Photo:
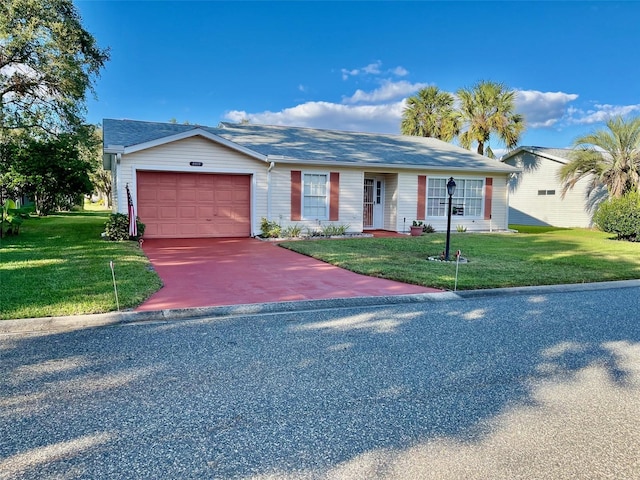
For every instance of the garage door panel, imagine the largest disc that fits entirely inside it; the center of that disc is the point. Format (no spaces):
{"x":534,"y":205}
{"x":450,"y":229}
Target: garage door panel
{"x":206,"y":212}
{"x":168,"y":213}
{"x":194,"y":205}
{"x":166,"y":195}
{"x":207,"y":196}
{"x":188,"y":195}
{"x":148,"y":212}
{"x":187,"y":213}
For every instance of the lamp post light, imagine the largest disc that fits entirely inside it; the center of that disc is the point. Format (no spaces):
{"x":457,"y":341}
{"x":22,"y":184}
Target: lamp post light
{"x":451,"y":189}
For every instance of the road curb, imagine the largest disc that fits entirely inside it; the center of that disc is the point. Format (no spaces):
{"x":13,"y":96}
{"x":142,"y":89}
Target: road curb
{"x":546,"y":289}
{"x":76,"y":322}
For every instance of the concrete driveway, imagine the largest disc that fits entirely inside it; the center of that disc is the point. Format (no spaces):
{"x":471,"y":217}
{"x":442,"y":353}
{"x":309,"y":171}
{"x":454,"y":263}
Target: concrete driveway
{"x":228,"y":271}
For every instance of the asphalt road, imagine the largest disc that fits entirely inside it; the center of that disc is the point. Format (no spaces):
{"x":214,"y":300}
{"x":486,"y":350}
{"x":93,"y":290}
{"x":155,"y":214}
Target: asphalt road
{"x":539,"y":386}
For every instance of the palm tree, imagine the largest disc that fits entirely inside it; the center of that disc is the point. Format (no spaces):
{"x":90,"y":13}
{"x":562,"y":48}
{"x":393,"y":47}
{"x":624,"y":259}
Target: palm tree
{"x":488,"y":108}
{"x":430,"y":113}
{"x":611,"y":155}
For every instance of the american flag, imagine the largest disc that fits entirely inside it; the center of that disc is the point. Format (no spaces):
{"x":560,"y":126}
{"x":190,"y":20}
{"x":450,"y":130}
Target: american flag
{"x":133,"y":226}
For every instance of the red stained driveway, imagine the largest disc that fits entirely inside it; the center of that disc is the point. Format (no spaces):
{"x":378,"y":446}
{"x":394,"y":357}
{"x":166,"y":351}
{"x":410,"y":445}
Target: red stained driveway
{"x":228,"y":271}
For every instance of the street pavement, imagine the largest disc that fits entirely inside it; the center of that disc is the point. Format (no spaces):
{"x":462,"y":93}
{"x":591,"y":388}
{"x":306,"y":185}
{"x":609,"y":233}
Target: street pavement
{"x":542,"y":384}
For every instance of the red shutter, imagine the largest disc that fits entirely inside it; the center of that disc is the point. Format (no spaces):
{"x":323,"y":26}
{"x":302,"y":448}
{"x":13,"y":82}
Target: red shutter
{"x":296,"y":195}
{"x":488,"y":197}
{"x":422,"y":197}
{"x":334,"y":195}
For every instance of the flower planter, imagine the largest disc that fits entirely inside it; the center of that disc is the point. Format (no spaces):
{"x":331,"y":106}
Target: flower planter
{"x":416,"y":231}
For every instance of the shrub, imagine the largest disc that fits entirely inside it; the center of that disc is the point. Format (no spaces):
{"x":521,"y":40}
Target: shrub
{"x":117,"y":227}
{"x":270,"y":229}
{"x":292,"y":231}
{"x":620,"y":216}
{"x":461,"y":229}
{"x":334,"y":230}
{"x":11,"y":217}
{"x":428,"y":228}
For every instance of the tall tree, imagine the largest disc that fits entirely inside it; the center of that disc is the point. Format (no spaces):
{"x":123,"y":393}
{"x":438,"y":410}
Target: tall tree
{"x":489,"y":108}
{"x":611,"y":155}
{"x":91,"y":151}
{"x":48,"y":62}
{"x":52,"y":172}
{"x":430,"y":113}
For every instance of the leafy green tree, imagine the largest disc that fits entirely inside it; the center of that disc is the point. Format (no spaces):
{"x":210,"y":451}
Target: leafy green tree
{"x":431,"y":113}
{"x":47,"y":64}
{"x":489,"y":108}
{"x":50,"y":171}
{"x":91,"y":152}
{"x":611,"y":156}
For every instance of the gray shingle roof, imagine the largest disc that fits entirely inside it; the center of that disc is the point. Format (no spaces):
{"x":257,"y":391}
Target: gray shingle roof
{"x":562,"y":155}
{"x":306,"y":145}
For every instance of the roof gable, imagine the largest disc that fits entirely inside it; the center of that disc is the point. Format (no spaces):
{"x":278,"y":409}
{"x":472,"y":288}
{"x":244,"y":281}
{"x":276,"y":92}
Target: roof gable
{"x":560,"y":155}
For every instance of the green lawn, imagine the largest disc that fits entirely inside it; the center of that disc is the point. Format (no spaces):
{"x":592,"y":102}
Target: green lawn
{"x":542,"y":257}
{"x":59,"y":265}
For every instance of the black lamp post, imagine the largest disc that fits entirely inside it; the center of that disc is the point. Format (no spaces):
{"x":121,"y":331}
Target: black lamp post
{"x":451,"y":189}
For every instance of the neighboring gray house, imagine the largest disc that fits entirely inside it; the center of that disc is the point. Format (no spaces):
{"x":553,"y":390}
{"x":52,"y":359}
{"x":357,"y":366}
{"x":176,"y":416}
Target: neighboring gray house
{"x":535,"y":193}
{"x":196,"y":181}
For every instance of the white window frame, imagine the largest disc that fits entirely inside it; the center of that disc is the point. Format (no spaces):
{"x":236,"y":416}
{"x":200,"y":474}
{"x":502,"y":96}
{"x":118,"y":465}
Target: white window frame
{"x":303,"y":196}
{"x":457,"y":199}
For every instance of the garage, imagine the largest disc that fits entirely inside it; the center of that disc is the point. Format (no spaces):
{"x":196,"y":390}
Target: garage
{"x":192,"y":205}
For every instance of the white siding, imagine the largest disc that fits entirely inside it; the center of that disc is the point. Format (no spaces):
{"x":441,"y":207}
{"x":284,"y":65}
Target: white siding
{"x":527,"y":207}
{"x":401,"y":188}
{"x":391,"y":202}
{"x":176,"y":157}
{"x":351,"y":190}
{"x":408,"y":203}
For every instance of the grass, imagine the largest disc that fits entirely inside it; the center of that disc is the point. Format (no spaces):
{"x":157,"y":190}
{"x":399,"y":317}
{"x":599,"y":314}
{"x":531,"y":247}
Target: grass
{"x":540,"y":257}
{"x":59,"y":265}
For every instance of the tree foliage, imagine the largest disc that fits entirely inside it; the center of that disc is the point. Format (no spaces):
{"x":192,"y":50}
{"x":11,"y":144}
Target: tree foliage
{"x":611,"y":157}
{"x":50,"y":171}
{"x":47,"y":65}
{"x":91,"y":152}
{"x":489,"y":108}
{"x":431,"y":113}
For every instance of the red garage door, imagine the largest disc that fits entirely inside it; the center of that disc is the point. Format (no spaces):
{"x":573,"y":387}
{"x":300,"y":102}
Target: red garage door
{"x":189,"y":205}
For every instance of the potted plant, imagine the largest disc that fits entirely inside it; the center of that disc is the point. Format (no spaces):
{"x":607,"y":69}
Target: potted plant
{"x":416,"y":228}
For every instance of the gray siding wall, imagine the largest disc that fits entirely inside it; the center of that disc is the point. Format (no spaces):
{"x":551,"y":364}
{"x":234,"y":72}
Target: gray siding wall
{"x":528,"y":207}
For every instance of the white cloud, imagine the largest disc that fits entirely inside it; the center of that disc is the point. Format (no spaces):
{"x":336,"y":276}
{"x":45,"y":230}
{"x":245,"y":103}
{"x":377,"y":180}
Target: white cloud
{"x":371,"y":69}
{"x":383,"y":118}
{"x":400,"y":71}
{"x":543,"y":109}
{"x":380,"y":110}
{"x":548,"y":109}
{"x":600,"y":113}
{"x":374,"y":68}
{"x":388,"y":91}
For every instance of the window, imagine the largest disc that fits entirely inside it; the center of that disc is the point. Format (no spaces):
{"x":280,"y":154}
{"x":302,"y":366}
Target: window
{"x":314,"y":198}
{"x":466,"y":202}
{"x":546,"y":192}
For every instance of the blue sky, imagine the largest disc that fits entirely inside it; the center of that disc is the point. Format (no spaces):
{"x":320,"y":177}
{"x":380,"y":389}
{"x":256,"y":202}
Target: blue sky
{"x":350,"y":65}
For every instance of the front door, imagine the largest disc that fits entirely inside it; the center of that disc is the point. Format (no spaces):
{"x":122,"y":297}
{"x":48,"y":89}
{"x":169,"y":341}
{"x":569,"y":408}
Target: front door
{"x":373,"y":205}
